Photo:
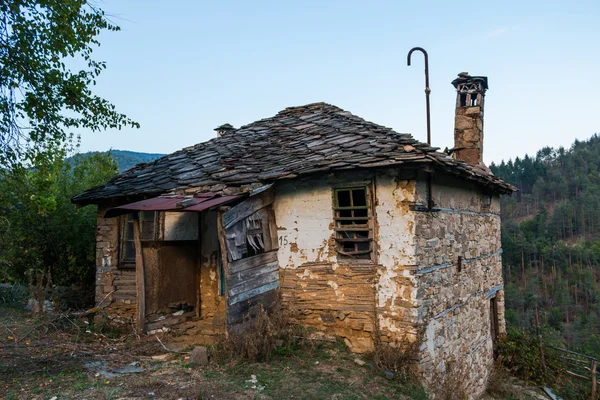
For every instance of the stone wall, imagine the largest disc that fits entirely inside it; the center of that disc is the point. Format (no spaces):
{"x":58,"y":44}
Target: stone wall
{"x":115,"y":288}
{"x":454,"y":301}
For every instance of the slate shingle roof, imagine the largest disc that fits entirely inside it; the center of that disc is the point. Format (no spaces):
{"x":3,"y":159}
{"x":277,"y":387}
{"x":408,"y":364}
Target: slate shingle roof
{"x":297,"y":141}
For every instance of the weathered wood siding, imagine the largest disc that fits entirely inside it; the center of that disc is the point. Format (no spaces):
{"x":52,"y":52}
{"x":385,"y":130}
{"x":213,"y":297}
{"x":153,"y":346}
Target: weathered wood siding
{"x":252,"y":280}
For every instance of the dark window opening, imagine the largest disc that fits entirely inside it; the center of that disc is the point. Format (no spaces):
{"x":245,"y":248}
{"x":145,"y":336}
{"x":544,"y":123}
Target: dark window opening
{"x":463,"y":99}
{"x":495,"y":326}
{"x":147,"y":221}
{"x":352,"y":223}
{"x":254,"y":236}
{"x":473,"y":99}
{"x":459,"y":264}
{"x":486,"y":201}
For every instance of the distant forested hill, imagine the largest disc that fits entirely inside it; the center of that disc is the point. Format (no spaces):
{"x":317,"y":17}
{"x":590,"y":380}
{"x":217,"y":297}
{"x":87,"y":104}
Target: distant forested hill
{"x":126,"y":159}
{"x":551,"y":241}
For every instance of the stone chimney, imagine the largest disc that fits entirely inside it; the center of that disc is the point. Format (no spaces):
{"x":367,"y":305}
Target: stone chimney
{"x":223,"y":129}
{"x":468,"y":122}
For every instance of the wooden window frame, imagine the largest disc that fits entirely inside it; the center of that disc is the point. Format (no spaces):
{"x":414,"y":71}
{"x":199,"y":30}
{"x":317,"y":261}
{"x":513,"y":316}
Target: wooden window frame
{"x":355,"y":256}
{"x":123,"y":233}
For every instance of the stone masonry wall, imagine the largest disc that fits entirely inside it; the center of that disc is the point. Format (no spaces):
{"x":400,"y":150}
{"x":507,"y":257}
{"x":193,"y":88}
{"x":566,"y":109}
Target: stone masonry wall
{"x":115,"y":288}
{"x":455,"y":304}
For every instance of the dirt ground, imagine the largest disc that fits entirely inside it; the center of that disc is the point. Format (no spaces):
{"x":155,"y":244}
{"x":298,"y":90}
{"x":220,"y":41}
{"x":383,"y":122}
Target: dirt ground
{"x":56,"y":357}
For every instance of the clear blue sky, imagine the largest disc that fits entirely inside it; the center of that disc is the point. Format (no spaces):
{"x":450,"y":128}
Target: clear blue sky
{"x":182,"y":68}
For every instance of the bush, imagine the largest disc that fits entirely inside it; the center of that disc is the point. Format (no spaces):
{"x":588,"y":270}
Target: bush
{"x":519,"y":352}
{"x":399,"y":357}
{"x":13,"y":295}
{"x":260,"y":336}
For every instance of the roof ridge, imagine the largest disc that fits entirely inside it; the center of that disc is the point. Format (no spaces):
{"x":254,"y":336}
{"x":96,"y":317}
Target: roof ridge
{"x":300,"y":140}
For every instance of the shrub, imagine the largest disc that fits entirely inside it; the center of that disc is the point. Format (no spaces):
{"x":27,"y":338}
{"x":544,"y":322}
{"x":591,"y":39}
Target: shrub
{"x":259,"y":336}
{"x":451,"y":384}
{"x":13,"y":294}
{"x":399,"y":357}
{"x":519,"y":352}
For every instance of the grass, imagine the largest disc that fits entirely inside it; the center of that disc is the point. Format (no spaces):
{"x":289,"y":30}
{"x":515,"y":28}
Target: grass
{"x":52,"y":364}
{"x":41,"y":358}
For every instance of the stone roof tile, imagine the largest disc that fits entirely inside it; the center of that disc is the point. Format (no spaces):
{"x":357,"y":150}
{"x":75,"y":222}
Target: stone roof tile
{"x":316,"y":137}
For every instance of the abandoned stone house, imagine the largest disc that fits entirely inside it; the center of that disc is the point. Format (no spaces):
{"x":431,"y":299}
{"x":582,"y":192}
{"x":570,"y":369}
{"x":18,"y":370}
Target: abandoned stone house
{"x":365,"y":232}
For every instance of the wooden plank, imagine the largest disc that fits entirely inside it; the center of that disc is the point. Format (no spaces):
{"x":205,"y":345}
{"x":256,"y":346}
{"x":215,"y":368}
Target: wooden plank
{"x":240,"y":277}
{"x":273,"y":229}
{"x":253,"y":293}
{"x":253,"y":283}
{"x":224,"y":258}
{"x":266,"y":232}
{"x":251,"y":262}
{"x":248,"y":207}
{"x":140,"y":284}
{"x":248,"y":309}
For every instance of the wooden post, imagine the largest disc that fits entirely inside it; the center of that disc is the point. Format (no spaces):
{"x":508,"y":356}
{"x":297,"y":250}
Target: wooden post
{"x":224,"y":257}
{"x":140,"y":284}
{"x":594,"y":367}
{"x":199,"y":268}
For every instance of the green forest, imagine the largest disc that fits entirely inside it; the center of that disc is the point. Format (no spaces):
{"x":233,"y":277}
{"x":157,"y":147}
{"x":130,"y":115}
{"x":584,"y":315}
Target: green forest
{"x":551,"y":242}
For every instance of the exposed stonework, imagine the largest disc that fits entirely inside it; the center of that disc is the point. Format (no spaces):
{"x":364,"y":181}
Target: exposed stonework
{"x":455,"y":305}
{"x":115,"y":288}
{"x":468,"y":122}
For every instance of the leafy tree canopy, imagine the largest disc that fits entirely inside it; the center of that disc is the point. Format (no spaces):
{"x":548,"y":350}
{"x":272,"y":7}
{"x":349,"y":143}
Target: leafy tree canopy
{"x":42,"y":99}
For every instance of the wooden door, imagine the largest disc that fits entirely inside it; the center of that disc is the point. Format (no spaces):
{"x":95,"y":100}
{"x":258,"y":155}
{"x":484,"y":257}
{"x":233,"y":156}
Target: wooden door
{"x":248,"y":237}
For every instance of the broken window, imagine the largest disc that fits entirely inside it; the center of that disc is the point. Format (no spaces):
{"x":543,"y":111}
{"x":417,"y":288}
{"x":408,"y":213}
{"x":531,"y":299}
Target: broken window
{"x":148,"y":223}
{"x":353,"y":232}
{"x":246,"y":237}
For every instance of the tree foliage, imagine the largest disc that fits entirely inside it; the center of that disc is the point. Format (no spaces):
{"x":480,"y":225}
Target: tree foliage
{"x":551,"y":241}
{"x":40,"y":229}
{"x":42,"y":97}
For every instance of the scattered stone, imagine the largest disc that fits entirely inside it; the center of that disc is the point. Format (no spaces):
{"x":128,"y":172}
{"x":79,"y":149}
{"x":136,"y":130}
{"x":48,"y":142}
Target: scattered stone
{"x":389,"y":374}
{"x":160,"y":357}
{"x":199,"y":356}
{"x":359,"y":362}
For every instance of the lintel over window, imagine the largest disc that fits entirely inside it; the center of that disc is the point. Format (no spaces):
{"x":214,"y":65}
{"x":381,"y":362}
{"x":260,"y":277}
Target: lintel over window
{"x":353,"y":222}
{"x":148,"y":231}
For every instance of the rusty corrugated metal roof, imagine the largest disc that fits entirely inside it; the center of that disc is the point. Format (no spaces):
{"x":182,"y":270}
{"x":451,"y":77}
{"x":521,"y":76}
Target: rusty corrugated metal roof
{"x":197,"y":203}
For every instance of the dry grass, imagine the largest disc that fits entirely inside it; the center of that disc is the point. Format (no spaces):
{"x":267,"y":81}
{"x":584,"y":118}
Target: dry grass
{"x":399,"y":357}
{"x":263,"y":335}
{"x":451,"y":384}
{"x":44,"y":358}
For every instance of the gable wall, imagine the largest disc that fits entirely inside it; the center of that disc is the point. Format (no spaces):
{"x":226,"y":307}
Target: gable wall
{"x":455,"y":306}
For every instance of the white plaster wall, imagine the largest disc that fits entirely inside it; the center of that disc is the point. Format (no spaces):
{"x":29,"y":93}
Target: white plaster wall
{"x":304,"y":215}
{"x":396,"y":292}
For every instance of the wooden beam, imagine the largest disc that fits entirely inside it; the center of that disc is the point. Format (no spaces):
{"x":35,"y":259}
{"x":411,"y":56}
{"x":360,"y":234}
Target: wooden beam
{"x":140,"y":284}
{"x":252,"y":262}
{"x":224,"y":259}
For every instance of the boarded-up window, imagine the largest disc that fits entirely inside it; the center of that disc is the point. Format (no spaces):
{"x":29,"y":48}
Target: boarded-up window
{"x":353,"y":232}
{"x":148,"y":225}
